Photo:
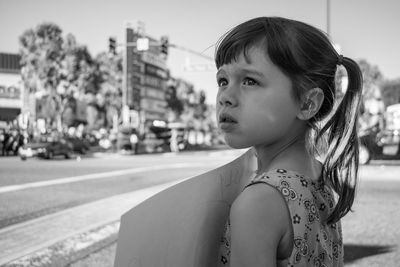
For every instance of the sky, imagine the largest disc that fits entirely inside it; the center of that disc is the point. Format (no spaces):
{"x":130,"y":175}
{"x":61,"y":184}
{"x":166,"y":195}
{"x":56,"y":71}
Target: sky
{"x":362,"y":29}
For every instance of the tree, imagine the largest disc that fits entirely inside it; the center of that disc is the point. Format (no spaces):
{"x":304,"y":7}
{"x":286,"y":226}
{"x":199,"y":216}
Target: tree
{"x":41,"y":53}
{"x":79,"y":69}
{"x":201,"y":108}
{"x":66,"y":71}
{"x":69,"y":110}
{"x":173,"y":102}
{"x":84,"y":79}
{"x":109,"y":73}
{"x":391,"y":92}
{"x":372,"y":78}
{"x":372,"y":106}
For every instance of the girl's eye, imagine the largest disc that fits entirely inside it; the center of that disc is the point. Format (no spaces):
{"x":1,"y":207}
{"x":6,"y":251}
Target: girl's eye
{"x":249,"y":81}
{"x":222,"y":82}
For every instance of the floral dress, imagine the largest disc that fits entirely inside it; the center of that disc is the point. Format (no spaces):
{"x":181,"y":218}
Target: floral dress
{"x":309,"y":203}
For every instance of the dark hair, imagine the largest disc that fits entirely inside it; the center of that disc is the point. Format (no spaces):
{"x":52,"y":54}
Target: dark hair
{"x":309,"y":59}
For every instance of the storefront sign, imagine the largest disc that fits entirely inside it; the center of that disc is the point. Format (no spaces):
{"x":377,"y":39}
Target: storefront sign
{"x":154,"y":82}
{"x":154,"y":60}
{"x":10,"y":92}
{"x":155,"y":71}
{"x":153,"y":105}
{"x":148,"y":92}
{"x":151,"y":115}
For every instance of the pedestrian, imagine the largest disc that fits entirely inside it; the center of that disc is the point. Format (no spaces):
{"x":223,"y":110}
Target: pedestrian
{"x":276,"y":80}
{"x":133,"y":139}
{"x":174,"y":146}
{"x":3,"y":141}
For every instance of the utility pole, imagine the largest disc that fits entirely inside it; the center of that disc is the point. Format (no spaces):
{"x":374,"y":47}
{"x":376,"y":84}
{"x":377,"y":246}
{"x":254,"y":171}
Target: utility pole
{"x":124,"y":76}
{"x":328,"y":17}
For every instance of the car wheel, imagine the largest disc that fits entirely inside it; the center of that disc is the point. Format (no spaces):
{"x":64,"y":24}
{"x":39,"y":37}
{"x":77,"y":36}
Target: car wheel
{"x":67,"y":155}
{"x":23,"y":157}
{"x":50,"y":154}
{"x":364,"y":155}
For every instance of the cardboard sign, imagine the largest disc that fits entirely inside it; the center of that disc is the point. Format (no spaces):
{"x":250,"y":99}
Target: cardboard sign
{"x":182,"y":226}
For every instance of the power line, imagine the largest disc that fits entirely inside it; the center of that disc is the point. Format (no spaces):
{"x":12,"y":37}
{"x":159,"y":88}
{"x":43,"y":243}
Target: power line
{"x":191,"y":51}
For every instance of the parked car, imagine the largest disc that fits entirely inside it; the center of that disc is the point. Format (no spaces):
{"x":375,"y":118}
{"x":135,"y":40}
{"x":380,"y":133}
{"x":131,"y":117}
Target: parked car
{"x":382,"y":140}
{"x":379,"y":144}
{"x":78,"y":145}
{"x":47,"y":148}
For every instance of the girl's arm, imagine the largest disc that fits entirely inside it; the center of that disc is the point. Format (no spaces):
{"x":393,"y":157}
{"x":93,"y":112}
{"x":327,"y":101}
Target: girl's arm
{"x":259,"y":220}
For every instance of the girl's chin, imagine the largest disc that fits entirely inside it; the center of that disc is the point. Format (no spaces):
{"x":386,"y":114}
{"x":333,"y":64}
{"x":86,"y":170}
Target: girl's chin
{"x":236,"y":144}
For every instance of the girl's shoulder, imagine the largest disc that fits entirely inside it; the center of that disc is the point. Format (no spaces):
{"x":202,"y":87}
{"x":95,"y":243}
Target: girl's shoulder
{"x":256,"y":225}
{"x":277,"y":176}
{"x":309,"y":203}
{"x":299,"y":190}
{"x":290,"y":183}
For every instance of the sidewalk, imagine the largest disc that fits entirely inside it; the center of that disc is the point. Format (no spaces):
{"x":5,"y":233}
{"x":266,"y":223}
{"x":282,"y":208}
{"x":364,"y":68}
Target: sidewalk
{"x":55,"y":239}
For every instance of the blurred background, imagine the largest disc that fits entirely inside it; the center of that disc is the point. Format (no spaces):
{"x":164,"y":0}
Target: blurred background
{"x":103,"y":72}
{"x":114,"y":85}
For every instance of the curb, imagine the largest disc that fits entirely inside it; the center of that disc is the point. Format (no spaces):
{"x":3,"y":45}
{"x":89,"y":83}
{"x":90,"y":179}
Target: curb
{"x":75,"y":246}
{"x":70,"y":250}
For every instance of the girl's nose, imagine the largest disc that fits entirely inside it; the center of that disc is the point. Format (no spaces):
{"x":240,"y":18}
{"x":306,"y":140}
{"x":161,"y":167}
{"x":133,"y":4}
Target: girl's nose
{"x":225,"y":102}
{"x":227,"y":98}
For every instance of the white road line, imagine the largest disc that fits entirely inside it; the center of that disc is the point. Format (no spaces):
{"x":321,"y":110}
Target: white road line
{"x":379,"y":173}
{"x":95,"y":176}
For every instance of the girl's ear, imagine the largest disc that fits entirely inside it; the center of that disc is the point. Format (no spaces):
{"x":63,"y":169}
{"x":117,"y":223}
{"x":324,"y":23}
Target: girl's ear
{"x":311,"y":103}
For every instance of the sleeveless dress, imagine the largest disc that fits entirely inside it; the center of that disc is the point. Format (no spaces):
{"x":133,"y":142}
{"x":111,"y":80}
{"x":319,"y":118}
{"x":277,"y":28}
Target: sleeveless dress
{"x":310,"y":203}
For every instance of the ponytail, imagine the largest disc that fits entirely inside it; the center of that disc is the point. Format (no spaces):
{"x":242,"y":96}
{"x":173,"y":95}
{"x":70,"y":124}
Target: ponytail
{"x":340,"y":168}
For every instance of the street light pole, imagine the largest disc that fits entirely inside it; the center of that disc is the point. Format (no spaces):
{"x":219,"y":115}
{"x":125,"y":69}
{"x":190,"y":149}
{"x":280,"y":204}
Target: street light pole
{"x":124,"y":69}
{"x":328,"y":17}
{"x":126,"y":45}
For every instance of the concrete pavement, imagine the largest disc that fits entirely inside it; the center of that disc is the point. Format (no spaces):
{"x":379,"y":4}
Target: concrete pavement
{"x":54,"y":239}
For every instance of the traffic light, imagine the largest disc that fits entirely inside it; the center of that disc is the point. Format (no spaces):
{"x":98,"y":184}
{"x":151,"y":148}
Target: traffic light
{"x":164,"y":45}
{"x":112,"y":45}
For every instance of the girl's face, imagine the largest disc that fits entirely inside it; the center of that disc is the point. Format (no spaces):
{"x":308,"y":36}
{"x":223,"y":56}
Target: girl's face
{"x":255,"y":106}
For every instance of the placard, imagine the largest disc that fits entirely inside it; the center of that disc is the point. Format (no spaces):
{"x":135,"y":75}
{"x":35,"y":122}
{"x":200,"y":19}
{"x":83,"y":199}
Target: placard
{"x":182,"y":226}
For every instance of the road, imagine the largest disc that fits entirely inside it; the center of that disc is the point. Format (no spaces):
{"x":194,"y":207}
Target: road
{"x":33,"y":188}
{"x":371,"y":232}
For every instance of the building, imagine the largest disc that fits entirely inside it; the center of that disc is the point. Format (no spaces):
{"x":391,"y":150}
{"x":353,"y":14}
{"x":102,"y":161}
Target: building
{"x":147,"y":76}
{"x":146,"y":82}
{"x":11,"y":100}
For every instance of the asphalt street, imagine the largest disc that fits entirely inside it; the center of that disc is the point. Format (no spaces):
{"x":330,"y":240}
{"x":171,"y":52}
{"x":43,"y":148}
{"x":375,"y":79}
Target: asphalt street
{"x":33,"y":188}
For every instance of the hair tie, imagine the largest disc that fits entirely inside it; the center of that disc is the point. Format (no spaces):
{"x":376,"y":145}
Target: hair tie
{"x":340,"y":60}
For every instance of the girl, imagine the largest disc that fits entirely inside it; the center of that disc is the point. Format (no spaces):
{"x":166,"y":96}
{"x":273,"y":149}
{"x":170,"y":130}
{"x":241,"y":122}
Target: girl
{"x":276,"y":81}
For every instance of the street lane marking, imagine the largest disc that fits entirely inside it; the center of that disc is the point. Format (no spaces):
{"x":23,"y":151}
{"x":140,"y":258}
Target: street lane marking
{"x":94,"y":176}
{"x":379,"y":173}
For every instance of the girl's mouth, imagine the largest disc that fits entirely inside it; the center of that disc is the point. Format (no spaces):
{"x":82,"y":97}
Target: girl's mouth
{"x":226,"y":118}
{"x":226,"y":122}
